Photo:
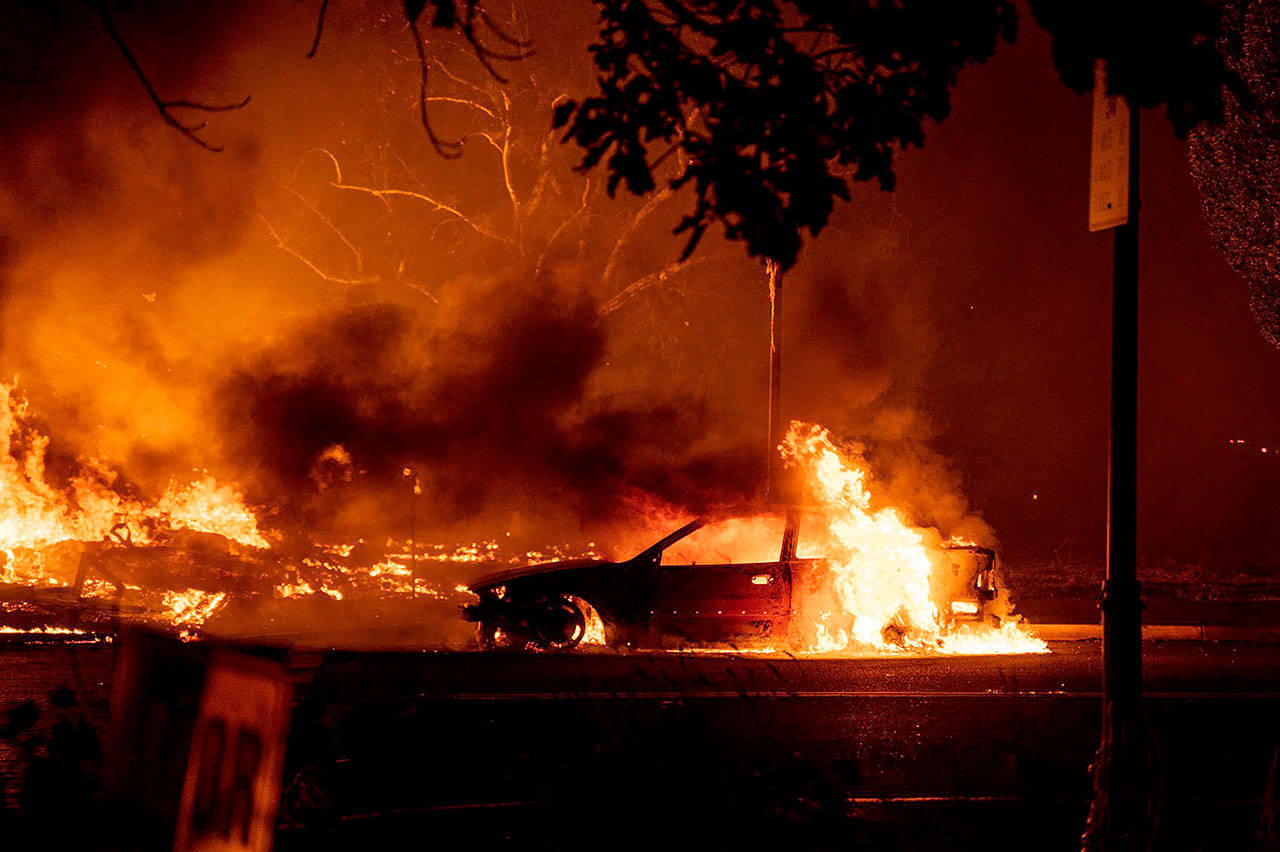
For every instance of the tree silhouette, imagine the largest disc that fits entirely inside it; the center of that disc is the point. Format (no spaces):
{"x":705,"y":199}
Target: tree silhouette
{"x":1236,"y":165}
{"x":779,"y":105}
{"x":1158,"y":53}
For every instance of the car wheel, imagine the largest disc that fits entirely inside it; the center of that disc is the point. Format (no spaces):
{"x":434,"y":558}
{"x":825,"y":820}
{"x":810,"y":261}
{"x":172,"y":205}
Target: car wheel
{"x":561,"y":624}
{"x":597,"y":632}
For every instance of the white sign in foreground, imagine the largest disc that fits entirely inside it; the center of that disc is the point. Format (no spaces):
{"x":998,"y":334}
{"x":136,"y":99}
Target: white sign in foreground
{"x":232,"y":786}
{"x":1109,"y":156}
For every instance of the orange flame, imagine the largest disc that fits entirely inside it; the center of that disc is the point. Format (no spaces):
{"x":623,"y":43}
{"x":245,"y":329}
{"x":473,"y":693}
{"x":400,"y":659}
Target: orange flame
{"x":880,"y":570}
{"x":35,"y":516}
{"x":209,"y":506}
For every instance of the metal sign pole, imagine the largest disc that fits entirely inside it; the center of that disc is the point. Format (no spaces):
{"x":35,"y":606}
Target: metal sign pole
{"x":1118,"y":819}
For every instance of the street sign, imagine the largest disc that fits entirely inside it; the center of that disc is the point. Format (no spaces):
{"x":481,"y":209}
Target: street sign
{"x":1109,"y":156}
{"x":232,"y":786}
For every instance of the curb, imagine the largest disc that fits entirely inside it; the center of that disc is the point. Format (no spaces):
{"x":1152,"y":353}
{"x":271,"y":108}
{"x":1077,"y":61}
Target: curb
{"x":1185,"y":632}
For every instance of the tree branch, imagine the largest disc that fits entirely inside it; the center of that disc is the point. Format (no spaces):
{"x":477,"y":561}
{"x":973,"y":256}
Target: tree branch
{"x":191,"y":131}
{"x":328,"y":222}
{"x":649,"y":206}
{"x":309,"y":264}
{"x":384,"y":194}
{"x":447,"y":149}
{"x":506,"y":168}
{"x":442,"y":99}
{"x":546,"y":249}
{"x":324,"y":7}
{"x":635,"y":288}
{"x":452,"y":149}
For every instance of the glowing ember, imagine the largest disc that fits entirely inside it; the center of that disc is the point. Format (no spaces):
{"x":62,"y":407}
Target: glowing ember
{"x":192,"y":608}
{"x":43,"y":631}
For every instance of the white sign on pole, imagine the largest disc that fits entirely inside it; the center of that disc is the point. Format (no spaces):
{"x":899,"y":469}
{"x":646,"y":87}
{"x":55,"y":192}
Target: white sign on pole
{"x":232,"y":787}
{"x":1109,"y":159}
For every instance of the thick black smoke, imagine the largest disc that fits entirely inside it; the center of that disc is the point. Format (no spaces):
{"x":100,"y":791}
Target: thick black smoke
{"x":491,"y":414}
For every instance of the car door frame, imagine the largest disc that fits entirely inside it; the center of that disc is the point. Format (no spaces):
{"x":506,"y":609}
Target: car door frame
{"x":693,"y":622}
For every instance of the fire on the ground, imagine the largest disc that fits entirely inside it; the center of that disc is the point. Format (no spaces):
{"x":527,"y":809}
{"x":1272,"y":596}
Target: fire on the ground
{"x":881,"y":583}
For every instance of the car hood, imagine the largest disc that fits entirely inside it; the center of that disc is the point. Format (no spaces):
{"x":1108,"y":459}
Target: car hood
{"x":499,"y":578}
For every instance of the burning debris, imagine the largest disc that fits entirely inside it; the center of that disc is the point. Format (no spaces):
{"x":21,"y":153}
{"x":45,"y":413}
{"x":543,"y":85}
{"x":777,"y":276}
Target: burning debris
{"x":90,"y":550}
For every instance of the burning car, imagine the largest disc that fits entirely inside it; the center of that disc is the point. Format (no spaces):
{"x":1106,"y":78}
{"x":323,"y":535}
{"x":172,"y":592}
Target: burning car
{"x":733,"y":581}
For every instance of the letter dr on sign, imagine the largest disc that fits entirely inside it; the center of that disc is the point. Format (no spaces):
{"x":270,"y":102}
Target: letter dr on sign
{"x":232,"y":786}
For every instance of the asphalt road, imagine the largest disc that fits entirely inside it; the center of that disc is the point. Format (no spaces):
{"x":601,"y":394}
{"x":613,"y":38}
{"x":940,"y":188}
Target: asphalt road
{"x":1247,"y":670}
{"x":921,"y":752}
{"x":899,"y":753}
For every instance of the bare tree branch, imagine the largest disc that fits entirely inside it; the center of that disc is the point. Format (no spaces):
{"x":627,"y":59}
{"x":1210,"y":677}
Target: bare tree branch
{"x":544,"y":158}
{"x":324,"y":7}
{"x":522,"y":44}
{"x":444,"y":69}
{"x":650,"y":205}
{"x":419,"y":289}
{"x":442,"y":99}
{"x":164,"y":107}
{"x":506,"y":166}
{"x":311,"y":265}
{"x":546,"y":249}
{"x":384,"y":194}
{"x":355,"y":253}
{"x":635,"y":288}
{"x":445,"y":148}
{"x":484,"y":54}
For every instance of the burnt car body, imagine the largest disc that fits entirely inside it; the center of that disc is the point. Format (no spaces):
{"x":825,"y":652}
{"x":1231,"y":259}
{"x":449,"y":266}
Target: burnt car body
{"x":643,"y":602}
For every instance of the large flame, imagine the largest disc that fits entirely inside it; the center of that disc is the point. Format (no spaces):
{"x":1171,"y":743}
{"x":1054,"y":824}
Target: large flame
{"x":36,"y":517}
{"x":207,"y":505}
{"x":877,"y":591}
{"x":33,"y":514}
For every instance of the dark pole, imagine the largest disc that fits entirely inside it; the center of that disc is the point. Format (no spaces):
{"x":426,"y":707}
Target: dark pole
{"x":1123,"y":780}
{"x":774,"y":433}
{"x":413,"y":526}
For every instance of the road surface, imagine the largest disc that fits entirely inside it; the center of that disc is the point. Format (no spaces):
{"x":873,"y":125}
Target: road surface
{"x":961,"y":752}
{"x":912,"y":752}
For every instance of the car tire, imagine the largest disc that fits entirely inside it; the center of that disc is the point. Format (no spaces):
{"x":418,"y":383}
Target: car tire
{"x":562,"y":625}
